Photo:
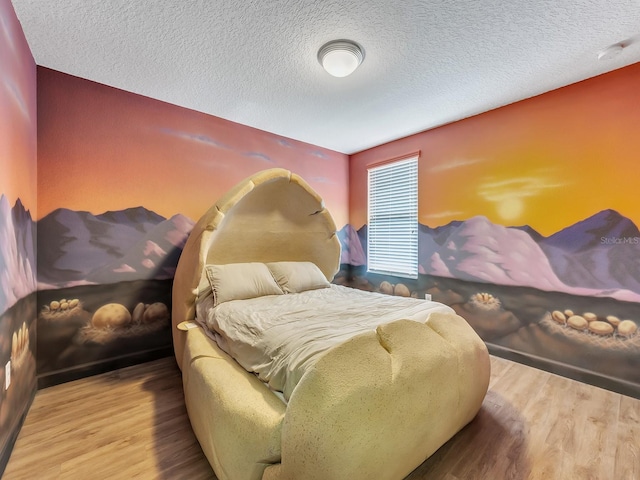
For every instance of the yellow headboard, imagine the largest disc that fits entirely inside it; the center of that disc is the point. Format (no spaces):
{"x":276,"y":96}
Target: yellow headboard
{"x":271,"y":216}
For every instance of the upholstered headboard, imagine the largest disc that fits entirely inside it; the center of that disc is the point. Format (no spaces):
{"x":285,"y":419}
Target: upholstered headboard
{"x":271,"y":216}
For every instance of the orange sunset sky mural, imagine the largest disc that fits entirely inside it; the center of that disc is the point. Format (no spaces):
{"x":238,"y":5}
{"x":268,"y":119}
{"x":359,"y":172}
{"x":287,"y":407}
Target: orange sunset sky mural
{"x":18,"y":107}
{"x":547,"y":162}
{"x":106,"y":149}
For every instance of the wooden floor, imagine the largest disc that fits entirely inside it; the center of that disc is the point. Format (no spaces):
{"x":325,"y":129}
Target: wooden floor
{"x":132,"y":423}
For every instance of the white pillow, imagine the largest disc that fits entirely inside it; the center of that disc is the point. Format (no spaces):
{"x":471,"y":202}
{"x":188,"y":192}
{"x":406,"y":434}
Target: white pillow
{"x":295,"y":277}
{"x":239,"y":281}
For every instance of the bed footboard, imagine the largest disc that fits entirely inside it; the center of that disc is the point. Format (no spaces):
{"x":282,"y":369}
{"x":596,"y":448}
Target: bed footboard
{"x":234,"y":416}
{"x":378,"y":405}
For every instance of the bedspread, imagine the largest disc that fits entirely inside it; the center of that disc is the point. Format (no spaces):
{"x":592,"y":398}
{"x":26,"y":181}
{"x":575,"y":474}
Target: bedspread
{"x":279,"y":336}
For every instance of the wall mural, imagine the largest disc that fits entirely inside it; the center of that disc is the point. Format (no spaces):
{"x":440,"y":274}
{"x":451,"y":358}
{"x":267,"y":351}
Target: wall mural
{"x":105,"y":285}
{"x":17,"y":230}
{"x":121,"y":180}
{"x":529,"y":227}
{"x":17,"y":320}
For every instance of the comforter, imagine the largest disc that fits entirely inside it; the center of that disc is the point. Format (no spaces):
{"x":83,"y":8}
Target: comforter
{"x":279,"y":337}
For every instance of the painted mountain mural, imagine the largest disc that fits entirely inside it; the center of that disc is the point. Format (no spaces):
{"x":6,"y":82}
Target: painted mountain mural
{"x":599,"y":256}
{"x":79,"y":248}
{"x":17,"y":253}
{"x":600,"y":252}
{"x":353,"y":246}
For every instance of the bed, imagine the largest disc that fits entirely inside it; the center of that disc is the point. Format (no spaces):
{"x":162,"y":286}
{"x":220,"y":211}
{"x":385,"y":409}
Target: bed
{"x":373,"y":405}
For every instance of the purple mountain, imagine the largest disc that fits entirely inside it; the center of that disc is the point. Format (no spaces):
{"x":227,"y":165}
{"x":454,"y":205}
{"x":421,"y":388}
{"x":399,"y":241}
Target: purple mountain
{"x":139,"y":218}
{"x":432,"y":239}
{"x":599,"y":256}
{"x":480,"y":251}
{"x":602,"y":251}
{"x":155,"y":255}
{"x":17,"y":253}
{"x":537,"y":237}
{"x":352,"y":251}
{"x":79,"y":247}
{"x":593,"y":232}
{"x":362,"y":236}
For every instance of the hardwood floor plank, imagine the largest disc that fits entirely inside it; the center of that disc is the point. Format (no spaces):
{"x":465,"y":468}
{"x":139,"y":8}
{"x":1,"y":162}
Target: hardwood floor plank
{"x":499,"y":366}
{"x":567,"y":412}
{"x":132,"y":423}
{"x":541,"y":415}
{"x":597,"y":449}
{"x":627,"y":455}
{"x":629,"y":411}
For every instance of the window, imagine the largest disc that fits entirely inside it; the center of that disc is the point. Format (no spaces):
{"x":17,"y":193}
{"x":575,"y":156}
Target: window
{"x":393,"y":218}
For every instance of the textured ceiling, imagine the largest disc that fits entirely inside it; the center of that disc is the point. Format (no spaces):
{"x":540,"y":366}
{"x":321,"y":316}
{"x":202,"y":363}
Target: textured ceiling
{"x":254,"y":61}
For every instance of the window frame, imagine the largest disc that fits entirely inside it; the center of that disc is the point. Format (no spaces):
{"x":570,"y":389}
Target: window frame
{"x":403,"y":263}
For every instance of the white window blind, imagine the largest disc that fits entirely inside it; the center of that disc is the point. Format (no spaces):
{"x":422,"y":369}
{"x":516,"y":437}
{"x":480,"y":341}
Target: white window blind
{"x":393,"y":219}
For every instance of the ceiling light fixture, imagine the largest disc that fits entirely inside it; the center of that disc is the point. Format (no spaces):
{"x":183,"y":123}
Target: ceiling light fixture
{"x":340,"y":57}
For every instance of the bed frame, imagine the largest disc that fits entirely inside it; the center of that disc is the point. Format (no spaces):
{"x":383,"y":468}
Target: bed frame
{"x":374,"y":407}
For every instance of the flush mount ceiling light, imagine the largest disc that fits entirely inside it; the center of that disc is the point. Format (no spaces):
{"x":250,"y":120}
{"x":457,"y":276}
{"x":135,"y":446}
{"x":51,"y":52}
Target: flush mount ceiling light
{"x":340,"y":57}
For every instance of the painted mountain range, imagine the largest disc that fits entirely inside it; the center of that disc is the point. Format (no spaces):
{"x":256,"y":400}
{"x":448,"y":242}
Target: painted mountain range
{"x":17,"y":253}
{"x":599,"y":256}
{"x":134,"y":244}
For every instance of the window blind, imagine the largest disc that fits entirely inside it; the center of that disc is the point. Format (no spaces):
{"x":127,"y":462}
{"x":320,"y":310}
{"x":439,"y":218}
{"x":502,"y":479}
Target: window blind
{"x":393,"y":219}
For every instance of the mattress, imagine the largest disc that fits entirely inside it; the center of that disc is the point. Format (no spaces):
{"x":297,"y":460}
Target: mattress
{"x":278,"y":337}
